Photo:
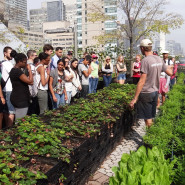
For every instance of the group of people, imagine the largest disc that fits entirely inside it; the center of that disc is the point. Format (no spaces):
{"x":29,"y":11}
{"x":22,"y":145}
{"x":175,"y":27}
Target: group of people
{"x":29,"y":84}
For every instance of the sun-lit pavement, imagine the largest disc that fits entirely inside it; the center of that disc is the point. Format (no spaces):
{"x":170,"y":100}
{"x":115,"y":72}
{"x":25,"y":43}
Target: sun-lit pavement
{"x":129,"y":143}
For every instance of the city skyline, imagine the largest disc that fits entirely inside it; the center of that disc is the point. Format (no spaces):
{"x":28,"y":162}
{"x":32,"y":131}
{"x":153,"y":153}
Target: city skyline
{"x":176,"y":6}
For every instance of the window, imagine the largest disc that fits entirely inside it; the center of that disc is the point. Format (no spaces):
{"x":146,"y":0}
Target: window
{"x":111,"y":10}
{"x":79,"y":6}
{"x":79,"y":27}
{"x":79,"y":34}
{"x":79,"y":13}
{"x":80,"y":42}
{"x":111,"y":25}
{"x":79,"y":20}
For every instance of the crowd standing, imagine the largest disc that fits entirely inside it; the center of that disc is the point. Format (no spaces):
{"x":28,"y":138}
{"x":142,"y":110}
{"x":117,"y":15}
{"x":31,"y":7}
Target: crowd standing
{"x":31,"y":84}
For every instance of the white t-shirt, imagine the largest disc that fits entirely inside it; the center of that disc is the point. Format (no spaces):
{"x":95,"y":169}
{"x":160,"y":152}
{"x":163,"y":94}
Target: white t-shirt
{"x":6,"y":68}
{"x":68,"y":85}
{"x":38,"y":79}
{"x":170,"y":62}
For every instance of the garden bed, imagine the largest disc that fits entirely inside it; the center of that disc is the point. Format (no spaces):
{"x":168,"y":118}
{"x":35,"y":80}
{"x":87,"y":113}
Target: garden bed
{"x":67,"y":144}
{"x":168,"y":132}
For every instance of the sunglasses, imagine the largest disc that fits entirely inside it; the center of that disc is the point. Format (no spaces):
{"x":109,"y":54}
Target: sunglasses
{"x":108,"y":59}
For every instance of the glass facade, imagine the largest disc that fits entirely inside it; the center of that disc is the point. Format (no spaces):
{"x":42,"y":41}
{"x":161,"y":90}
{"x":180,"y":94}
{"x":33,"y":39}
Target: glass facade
{"x":56,"y":11}
{"x":16,"y":10}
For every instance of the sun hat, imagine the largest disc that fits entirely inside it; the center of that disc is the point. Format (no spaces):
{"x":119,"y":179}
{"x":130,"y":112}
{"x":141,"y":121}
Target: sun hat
{"x":165,"y":52}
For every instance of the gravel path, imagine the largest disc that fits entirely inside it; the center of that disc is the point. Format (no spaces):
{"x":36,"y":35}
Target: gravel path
{"x":129,"y":143}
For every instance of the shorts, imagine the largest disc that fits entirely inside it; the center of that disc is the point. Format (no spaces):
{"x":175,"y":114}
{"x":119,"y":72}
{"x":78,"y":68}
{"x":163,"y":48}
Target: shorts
{"x":8,"y":107}
{"x":162,"y":85}
{"x":122,"y":77}
{"x":146,"y":105}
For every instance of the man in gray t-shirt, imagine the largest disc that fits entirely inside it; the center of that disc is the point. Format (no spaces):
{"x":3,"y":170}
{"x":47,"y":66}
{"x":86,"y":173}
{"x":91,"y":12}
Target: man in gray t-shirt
{"x":147,"y":88}
{"x":84,"y":70}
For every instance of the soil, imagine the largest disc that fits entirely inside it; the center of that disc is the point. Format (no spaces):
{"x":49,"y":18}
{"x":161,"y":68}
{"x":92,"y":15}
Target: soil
{"x":42,"y":164}
{"x":72,"y":143}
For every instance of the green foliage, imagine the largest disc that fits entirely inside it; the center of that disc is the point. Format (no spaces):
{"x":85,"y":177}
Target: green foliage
{"x":11,"y":172}
{"x":144,"y":167}
{"x":168,"y":132}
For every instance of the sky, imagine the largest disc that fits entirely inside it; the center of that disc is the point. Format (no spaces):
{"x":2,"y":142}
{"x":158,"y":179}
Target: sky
{"x":176,"y":6}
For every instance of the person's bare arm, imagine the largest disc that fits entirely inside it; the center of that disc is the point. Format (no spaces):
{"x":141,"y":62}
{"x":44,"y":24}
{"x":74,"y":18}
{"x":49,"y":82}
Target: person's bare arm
{"x":87,"y":73}
{"x":169,"y":70}
{"x":51,"y":89}
{"x":138,"y":89}
{"x":44,"y":80}
{"x":119,"y":69}
{"x":65,"y":93}
{"x":1,"y":96}
{"x":29,"y":79}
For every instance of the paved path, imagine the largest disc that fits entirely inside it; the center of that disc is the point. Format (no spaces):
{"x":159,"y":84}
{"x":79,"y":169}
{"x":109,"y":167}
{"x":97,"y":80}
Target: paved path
{"x":129,"y":143}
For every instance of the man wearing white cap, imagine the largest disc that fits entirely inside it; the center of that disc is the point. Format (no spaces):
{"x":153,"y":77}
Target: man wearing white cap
{"x":146,"y":94}
{"x":165,"y":58}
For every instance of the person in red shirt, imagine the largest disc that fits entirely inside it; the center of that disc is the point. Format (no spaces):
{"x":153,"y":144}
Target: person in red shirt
{"x":136,"y":69}
{"x":172,"y":80}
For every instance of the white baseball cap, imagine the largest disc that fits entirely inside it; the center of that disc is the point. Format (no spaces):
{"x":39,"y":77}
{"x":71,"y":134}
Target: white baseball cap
{"x":165,"y":52}
{"x":146,"y":43}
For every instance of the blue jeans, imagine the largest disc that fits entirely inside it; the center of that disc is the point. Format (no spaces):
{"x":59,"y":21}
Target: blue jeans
{"x":68,"y":97}
{"x":8,"y":107}
{"x":85,"y":91}
{"x":90,"y":84}
{"x":60,"y":100}
{"x":93,"y":83}
{"x":107,"y":80}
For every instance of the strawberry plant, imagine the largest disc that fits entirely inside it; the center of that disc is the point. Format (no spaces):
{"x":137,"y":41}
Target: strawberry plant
{"x":52,"y":134}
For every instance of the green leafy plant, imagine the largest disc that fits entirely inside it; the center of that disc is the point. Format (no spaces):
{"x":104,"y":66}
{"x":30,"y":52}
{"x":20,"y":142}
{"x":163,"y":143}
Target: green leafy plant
{"x":144,"y":167}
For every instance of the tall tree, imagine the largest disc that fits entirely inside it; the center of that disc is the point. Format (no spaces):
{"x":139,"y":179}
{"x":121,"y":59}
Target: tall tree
{"x":146,"y":16}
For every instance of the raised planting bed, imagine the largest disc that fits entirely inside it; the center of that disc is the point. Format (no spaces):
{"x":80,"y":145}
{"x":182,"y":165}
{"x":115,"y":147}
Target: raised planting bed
{"x":67,"y":144}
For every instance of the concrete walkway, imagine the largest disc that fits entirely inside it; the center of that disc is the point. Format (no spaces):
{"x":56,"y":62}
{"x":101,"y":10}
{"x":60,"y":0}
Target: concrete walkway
{"x":130,"y":142}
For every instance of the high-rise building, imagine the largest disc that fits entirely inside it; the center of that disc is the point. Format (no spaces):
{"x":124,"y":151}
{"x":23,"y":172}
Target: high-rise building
{"x":71,"y":13}
{"x":37,"y":17}
{"x":16,"y":11}
{"x":174,"y":48}
{"x":55,"y":11}
{"x":86,"y":30}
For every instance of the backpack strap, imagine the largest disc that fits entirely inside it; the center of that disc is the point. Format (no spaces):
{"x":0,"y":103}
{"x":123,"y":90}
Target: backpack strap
{"x":51,"y":64}
{"x":168,"y":61}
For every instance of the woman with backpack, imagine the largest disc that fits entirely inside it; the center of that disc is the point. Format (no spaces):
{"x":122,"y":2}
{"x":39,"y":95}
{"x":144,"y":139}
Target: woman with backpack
{"x":20,"y":96}
{"x":42,"y":79}
{"x":76,"y":85}
{"x":57,"y":85}
{"x":121,"y":68}
{"x":69,"y":77}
